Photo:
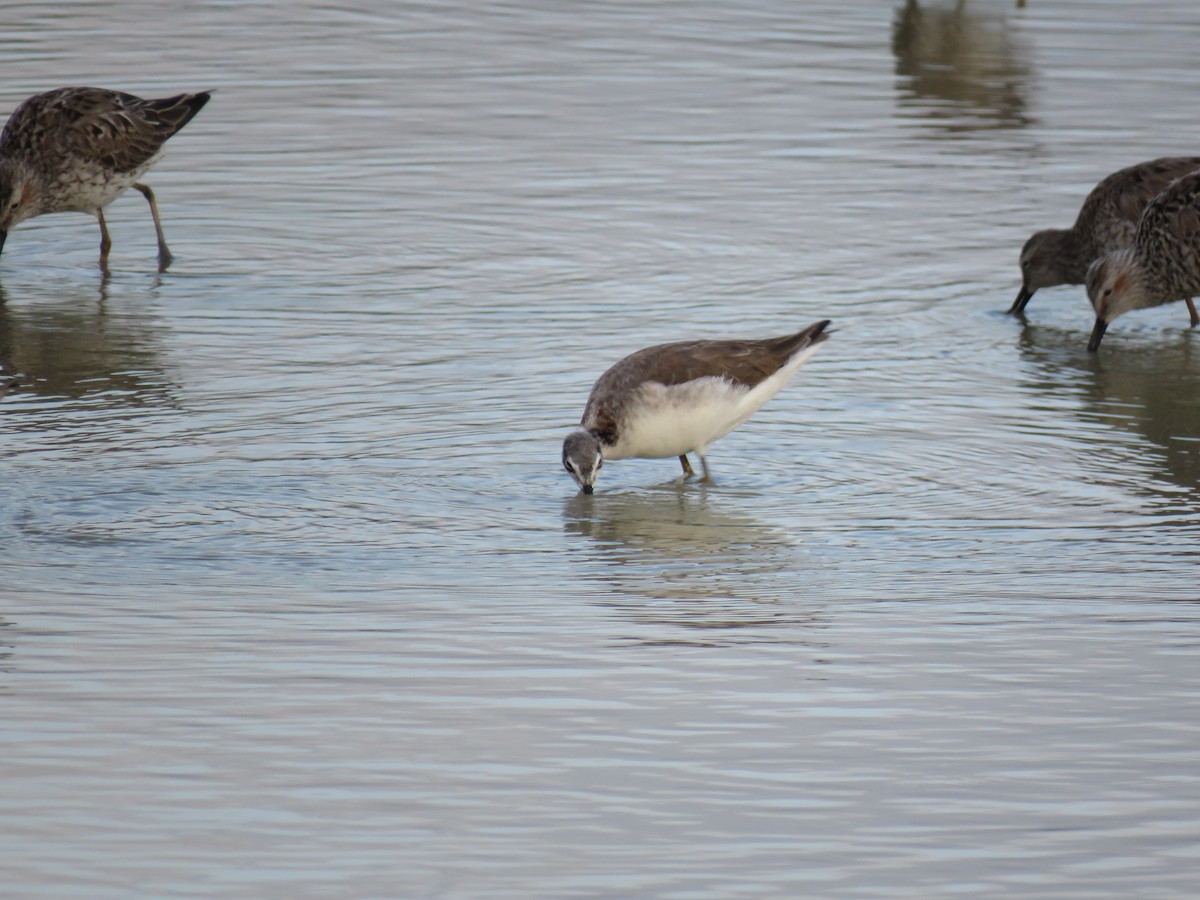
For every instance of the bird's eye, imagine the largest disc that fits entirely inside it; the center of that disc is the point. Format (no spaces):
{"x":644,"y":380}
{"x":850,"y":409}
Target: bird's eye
{"x":1108,"y":292}
{"x":567,"y":466}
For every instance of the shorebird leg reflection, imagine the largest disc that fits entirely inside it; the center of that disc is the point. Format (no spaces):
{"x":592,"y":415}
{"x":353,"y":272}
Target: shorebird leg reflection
{"x":164,"y":255}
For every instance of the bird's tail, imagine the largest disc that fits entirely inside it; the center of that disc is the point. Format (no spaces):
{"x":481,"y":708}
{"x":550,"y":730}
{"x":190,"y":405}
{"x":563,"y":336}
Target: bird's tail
{"x":180,"y":109}
{"x":811,"y":336}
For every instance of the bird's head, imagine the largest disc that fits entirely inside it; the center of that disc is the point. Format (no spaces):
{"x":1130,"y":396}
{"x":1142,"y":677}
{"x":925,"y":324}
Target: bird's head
{"x":582,"y":458}
{"x":16,"y":197}
{"x":1114,"y":287}
{"x":1042,"y":263}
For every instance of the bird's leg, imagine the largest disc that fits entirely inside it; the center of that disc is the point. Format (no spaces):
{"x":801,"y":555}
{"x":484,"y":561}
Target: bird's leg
{"x":164,"y":255}
{"x":688,"y":471}
{"x":1192,"y":312}
{"x":105,"y":240}
{"x":707,"y":478}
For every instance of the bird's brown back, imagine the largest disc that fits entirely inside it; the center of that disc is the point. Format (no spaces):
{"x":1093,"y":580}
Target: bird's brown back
{"x":117,"y":130}
{"x":1109,"y":216}
{"x":742,"y":362}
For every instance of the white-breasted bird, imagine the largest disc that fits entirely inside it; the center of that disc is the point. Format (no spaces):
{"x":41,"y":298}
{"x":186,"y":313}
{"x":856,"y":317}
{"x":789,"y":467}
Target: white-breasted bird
{"x":675,"y":399}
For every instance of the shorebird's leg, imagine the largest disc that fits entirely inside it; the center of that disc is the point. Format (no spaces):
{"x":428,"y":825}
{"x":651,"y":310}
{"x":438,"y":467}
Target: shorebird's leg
{"x":164,"y":255}
{"x":704,"y":465}
{"x":105,"y":240}
{"x":688,"y":471}
{"x":1192,"y":312}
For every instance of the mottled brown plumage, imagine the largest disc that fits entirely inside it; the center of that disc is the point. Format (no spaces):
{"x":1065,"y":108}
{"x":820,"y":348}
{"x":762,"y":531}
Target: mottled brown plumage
{"x":1107,"y":221}
{"x":1162,"y":264}
{"x":77,"y":149}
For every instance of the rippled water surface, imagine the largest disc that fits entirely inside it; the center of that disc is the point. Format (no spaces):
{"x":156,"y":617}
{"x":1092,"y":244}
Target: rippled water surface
{"x":299,"y":602}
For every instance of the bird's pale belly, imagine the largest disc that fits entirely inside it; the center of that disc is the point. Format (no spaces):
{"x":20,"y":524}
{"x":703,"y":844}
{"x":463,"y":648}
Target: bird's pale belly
{"x":88,"y":188}
{"x":678,"y":420}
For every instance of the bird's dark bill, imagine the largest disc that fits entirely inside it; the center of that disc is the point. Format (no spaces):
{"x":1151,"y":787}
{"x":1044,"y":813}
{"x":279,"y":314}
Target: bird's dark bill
{"x":1022,"y":300}
{"x":1097,"y":335}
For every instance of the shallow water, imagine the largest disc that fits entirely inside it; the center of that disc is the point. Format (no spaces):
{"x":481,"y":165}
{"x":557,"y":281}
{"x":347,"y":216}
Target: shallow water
{"x":299,"y":602}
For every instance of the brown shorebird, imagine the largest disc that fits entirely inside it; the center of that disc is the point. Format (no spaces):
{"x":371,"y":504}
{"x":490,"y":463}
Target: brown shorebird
{"x":676,"y":399}
{"x":1162,"y":264}
{"x":1106,"y":222}
{"x":77,"y":149}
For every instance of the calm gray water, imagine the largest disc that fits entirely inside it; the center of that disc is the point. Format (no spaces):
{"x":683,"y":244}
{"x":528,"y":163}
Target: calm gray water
{"x":298,"y":601}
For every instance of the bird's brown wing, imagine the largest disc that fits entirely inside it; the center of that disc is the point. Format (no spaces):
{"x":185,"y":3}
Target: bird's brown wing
{"x":744,"y":362}
{"x":1174,"y":214}
{"x":116,"y":130}
{"x":1116,"y":203}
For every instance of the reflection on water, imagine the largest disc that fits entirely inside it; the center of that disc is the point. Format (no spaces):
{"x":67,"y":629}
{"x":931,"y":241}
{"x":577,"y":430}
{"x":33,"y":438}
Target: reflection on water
{"x":5,"y":651}
{"x":961,"y":66}
{"x":299,"y":596}
{"x":674,"y":531}
{"x":674,"y":555}
{"x":1149,"y":388}
{"x":73,"y":343}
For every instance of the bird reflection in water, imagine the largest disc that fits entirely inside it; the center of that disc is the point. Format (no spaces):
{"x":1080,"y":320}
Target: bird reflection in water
{"x":71,"y":343}
{"x":1151,"y":390}
{"x":676,"y":559}
{"x":960,"y":68}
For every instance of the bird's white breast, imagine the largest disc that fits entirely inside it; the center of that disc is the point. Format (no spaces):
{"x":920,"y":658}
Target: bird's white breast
{"x":668,"y":421}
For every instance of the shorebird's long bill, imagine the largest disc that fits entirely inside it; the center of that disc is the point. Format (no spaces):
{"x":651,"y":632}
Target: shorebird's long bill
{"x":587,"y":489}
{"x":1022,"y":300}
{"x":1097,"y":335}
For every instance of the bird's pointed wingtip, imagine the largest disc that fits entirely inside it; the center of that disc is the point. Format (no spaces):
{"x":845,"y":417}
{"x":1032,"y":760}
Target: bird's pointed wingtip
{"x":819,"y":331}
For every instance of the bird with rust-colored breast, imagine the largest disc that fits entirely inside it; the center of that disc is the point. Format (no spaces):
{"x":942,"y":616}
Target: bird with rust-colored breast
{"x":77,"y":149}
{"x":675,"y":399}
